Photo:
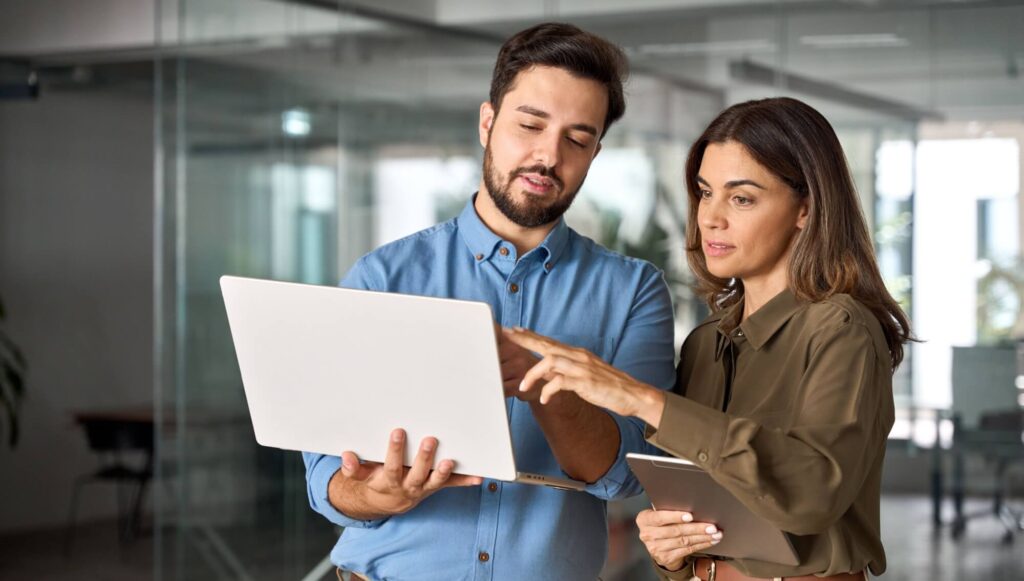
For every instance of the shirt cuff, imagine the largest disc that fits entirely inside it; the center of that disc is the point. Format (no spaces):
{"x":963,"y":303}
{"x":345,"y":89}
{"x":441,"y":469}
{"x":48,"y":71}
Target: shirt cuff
{"x":318,"y":480}
{"x":619,"y":482}
{"x":690,"y":431}
{"x":685,"y":574}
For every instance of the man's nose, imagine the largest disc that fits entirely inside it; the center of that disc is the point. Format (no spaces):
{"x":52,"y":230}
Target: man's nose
{"x":547,"y":150}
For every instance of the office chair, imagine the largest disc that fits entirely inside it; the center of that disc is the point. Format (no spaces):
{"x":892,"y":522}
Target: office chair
{"x":113,"y":437}
{"x":988,"y":423}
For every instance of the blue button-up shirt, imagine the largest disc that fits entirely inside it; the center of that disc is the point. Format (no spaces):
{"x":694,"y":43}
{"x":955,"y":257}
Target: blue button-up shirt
{"x":569,"y":288}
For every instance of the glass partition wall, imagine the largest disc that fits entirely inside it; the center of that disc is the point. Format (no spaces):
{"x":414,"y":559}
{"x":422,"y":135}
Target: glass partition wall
{"x":295,"y":136}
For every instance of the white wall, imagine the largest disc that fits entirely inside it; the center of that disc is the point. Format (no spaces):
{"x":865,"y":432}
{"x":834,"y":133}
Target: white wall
{"x":76,"y":229}
{"x":43,"y":26}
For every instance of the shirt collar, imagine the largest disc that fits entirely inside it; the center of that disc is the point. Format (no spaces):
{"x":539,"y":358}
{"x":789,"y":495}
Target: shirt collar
{"x":482,"y":242}
{"x":763,"y":324}
{"x":766,"y":322}
{"x":477,"y":236}
{"x":554,"y":243}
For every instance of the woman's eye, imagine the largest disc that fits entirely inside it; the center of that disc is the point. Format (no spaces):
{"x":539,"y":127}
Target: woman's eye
{"x":705,"y":194}
{"x":743,"y":201}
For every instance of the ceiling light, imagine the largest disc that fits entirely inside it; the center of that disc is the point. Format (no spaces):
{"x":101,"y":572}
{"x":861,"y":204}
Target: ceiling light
{"x":295,"y":122}
{"x":882,"y":40}
{"x":695,"y":48}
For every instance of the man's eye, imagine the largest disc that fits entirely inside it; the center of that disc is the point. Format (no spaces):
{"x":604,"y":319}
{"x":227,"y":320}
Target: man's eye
{"x":530,"y":127}
{"x":577,"y":143}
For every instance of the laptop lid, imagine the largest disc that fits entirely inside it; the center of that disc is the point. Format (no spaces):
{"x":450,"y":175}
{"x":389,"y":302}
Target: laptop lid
{"x":327,"y":369}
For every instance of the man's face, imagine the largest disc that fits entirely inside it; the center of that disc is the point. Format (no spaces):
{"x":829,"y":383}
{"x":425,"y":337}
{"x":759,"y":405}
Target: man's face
{"x":538,"y":148}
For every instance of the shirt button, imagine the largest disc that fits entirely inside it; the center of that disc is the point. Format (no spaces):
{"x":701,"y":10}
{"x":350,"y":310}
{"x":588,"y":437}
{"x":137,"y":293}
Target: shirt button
{"x":702,"y":456}
{"x":547,"y":266}
{"x":479,"y":256}
{"x":513,"y":288}
{"x":483,"y":556}
{"x":492,"y":486}
{"x":503,"y":251}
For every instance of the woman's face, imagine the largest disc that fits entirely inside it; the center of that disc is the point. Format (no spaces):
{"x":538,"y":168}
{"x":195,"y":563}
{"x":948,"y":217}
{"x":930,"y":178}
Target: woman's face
{"x":748,"y":218}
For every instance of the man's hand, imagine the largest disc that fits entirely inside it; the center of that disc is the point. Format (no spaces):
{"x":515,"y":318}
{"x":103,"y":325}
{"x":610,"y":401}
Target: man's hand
{"x":515,"y":362}
{"x":372,"y":490}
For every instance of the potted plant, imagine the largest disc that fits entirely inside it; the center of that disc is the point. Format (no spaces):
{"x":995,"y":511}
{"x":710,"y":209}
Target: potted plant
{"x":12,"y":383}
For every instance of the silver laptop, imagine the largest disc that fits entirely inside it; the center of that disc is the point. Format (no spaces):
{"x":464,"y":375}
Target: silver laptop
{"x":327,"y":369}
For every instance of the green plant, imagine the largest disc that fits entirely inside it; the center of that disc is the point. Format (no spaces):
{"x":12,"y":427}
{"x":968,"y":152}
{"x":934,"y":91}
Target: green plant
{"x":12,"y":381}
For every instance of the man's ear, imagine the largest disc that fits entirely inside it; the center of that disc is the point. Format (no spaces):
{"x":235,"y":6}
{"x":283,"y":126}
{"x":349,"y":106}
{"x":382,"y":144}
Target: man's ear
{"x":597,"y":150}
{"x":486,"y":122}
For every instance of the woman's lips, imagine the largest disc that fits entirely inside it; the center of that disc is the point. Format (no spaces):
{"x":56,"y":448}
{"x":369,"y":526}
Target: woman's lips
{"x":716,"y":249}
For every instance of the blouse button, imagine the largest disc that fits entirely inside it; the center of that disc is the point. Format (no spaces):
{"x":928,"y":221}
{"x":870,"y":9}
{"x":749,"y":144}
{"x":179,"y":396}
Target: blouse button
{"x":702,"y":456}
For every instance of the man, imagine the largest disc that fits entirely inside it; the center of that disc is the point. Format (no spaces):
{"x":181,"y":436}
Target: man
{"x":555,"y":91}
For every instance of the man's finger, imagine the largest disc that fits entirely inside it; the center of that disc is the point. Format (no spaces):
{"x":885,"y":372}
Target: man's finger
{"x":439,"y":475}
{"x":393,"y":461}
{"x":421,"y":465}
{"x":463,"y":480}
{"x":352,"y":468}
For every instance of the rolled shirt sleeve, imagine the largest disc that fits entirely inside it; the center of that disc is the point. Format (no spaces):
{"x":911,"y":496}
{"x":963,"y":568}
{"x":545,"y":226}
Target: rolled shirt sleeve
{"x":320,"y":469}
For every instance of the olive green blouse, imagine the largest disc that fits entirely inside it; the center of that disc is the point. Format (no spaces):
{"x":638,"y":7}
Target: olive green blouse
{"x":790,"y":411}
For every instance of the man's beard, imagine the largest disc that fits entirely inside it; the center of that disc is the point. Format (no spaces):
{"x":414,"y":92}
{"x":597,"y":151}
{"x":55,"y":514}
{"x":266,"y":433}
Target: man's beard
{"x":527,"y":215}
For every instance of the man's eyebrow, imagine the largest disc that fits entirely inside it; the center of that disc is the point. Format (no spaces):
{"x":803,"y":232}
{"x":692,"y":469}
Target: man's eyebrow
{"x":545,"y":115}
{"x":734,"y":183}
{"x":533,"y":111}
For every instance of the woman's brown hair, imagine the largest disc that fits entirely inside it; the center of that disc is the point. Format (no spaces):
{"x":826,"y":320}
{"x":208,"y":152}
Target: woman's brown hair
{"x":833,"y":253}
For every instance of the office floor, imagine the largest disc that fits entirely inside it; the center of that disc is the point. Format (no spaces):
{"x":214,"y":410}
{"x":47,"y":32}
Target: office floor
{"x":914,"y":552}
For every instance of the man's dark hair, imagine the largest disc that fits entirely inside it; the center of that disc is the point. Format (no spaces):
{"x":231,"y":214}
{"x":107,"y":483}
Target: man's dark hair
{"x":564,"y":46}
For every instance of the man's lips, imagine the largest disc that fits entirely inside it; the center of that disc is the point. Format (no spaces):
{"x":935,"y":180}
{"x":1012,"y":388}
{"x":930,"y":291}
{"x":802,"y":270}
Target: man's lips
{"x":716,"y":248}
{"x":538,"y":184}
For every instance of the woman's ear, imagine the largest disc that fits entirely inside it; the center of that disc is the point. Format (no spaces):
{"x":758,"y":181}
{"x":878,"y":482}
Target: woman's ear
{"x":805,"y":212}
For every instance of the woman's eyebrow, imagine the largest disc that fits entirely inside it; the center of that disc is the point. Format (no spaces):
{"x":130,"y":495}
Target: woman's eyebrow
{"x":734,"y":183}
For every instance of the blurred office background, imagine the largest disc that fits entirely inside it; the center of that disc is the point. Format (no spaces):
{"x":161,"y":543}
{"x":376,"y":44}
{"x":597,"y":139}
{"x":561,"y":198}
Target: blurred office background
{"x":149,"y":146}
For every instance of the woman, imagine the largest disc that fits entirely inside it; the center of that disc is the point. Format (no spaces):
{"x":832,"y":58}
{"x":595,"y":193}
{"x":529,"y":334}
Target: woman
{"x":784,"y":394}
